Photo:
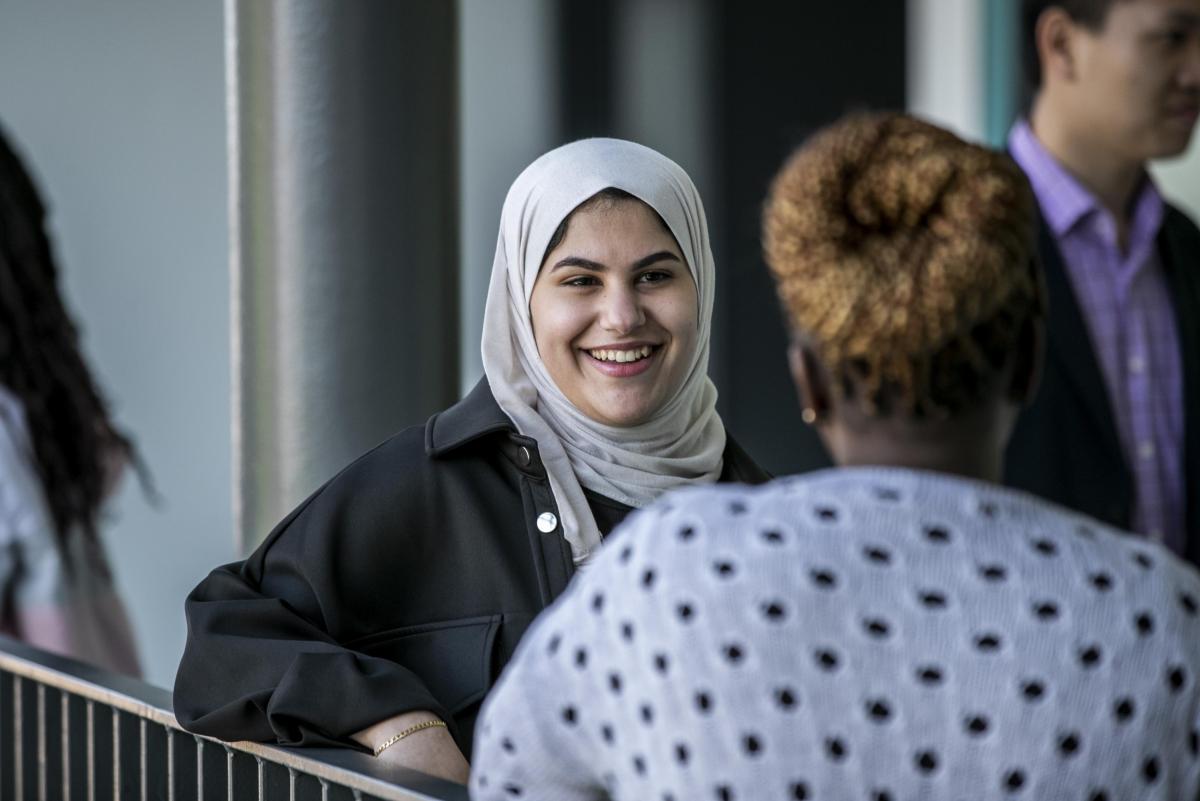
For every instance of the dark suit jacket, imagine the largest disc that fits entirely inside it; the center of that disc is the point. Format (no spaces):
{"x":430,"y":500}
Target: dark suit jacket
{"x":1065,"y":447}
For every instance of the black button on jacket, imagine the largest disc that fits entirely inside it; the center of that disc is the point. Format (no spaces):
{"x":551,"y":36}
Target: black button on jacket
{"x":404,"y":583}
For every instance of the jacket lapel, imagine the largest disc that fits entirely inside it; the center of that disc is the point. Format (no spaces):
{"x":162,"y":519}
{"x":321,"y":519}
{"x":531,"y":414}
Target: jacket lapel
{"x":1069,"y":344}
{"x":1181,"y":264}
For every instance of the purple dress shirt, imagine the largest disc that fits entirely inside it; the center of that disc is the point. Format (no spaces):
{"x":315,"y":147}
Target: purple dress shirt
{"x":1123,"y":297}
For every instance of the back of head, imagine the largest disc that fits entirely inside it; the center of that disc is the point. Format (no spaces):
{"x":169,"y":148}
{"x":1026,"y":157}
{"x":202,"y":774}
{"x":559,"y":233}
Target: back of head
{"x":904,"y":257}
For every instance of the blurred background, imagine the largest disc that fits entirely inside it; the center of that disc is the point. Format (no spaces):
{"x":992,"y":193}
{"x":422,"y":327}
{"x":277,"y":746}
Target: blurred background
{"x":276,"y":219}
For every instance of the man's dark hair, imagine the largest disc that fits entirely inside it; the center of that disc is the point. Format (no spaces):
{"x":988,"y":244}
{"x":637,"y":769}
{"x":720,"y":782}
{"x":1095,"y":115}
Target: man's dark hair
{"x":1091,"y":14}
{"x":74,"y":440}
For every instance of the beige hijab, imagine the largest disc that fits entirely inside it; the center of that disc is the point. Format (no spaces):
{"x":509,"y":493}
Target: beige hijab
{"x":683,"y":443}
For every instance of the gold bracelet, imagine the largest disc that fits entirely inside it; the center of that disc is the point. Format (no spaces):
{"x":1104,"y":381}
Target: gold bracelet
{"x":395,"y":738}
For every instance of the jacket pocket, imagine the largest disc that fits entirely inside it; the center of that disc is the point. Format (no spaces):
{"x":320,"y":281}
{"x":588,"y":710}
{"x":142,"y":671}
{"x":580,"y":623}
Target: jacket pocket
{"x":453,"y":658}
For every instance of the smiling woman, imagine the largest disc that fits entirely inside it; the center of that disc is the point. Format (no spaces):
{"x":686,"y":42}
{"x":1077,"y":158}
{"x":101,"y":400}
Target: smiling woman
{"x":407,"y":581}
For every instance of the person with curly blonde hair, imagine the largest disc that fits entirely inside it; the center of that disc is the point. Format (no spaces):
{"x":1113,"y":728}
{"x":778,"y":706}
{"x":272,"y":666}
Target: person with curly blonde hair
{"x":901,"y":626}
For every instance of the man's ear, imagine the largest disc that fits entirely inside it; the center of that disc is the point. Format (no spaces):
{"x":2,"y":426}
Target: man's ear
{"x":1055,"y":38}
{"x":812,"y":388}
{"x":1028,"y":359}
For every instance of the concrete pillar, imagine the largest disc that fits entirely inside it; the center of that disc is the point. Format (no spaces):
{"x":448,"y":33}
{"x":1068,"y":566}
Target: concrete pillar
{"x":343,"y":150}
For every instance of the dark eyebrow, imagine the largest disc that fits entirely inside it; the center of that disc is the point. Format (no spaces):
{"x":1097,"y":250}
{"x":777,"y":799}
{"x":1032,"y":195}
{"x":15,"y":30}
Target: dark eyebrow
{"x":588,"y":264}
{"x":1186,"y":19}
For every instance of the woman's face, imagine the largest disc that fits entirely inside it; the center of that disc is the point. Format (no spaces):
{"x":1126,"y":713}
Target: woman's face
{"x":615,"y":313}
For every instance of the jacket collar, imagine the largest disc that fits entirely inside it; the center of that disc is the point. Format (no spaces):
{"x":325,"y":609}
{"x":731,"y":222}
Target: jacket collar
{"x":478,"y":415}
{"x":473,"y":417}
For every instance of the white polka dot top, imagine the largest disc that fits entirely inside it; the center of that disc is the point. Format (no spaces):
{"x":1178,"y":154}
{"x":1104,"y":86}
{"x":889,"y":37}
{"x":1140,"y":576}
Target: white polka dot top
{"x":867,"y":634}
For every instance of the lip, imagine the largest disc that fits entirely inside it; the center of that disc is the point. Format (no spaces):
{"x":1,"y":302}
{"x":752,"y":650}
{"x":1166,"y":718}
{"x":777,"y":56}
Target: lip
{"x":623,"y":369}
{"x":1186,"y":114}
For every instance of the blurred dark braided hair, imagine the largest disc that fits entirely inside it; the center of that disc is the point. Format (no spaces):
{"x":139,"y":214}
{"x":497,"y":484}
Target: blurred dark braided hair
{"x":75,"y":443}
{"x":905,"y":257}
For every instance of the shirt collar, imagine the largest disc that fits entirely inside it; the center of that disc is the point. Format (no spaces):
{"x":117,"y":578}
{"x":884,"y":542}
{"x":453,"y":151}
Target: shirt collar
{"x":1064,"y":201}
{"x":475,"y":416}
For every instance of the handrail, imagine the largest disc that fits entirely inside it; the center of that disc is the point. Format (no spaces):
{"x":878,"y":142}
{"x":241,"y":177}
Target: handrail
{"x":37,"y":742}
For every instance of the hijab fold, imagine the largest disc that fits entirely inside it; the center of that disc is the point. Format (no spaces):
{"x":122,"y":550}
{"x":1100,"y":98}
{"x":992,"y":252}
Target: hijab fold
{"x":682,"y":442}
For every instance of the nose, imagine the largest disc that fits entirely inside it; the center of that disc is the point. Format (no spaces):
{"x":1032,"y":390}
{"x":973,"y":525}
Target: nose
{"x":621,"y":311}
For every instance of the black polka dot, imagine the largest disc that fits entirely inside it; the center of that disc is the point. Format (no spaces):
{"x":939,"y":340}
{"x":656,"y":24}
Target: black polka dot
{"x":798,"y":791}
{"x":1045,"y":547}
{"x":733,"y":653}
{"x":687,"y":533}
{"x":626,"y":552}
{"x":1176,"y":678}
{"x":752,"y":744}
{"x":887,"y":494}
{"x":580,"y":658}
{"x":598,"y":602}
{"x":1033,"y":689}
{"x":987,"y":509}
{"x":724,"y":793}
{"x":826,"y":514}
{"x":648,"y":578}
{"x":1124,"y":709}
{"x":993,"y":572}
{"x":627,"y":631}
{"x":823,"y":579}
{"x":930,"y":675}
{"x":1086,"y":532}
{"x":938,"y":535}
{"x":976,"y":725}
{"x":704,"y":702}
{"x":1188,"y":603}
{"x":647,"y":713}
{"x":1098,"y":795}
{"x":835,"y":749}
{"x":737,"y":508}
{"x":774,"y":611}
{"x":1194,"y":742}
{"x":1068,"y":744}
{"x":876,"y":627}
{"x":513,"y":789}
{"x":877,"y":555}
{"x":614,"y":682}
{"x":1101,"y":582}
{"x":881,"y":795}
{"x":639,"y":765}
{"x":685,"y":612}
{"x":482,"y":780}
{"x":1150,"y":770}
{"x":569,"y":715}
{"x":606,"y":731}
{"x":987,"y":642}
{"x":773,"y":537}
{"x":1090,"y":656}
{"x":1143,"y":560}
{"x":552,"y":646}
{"x":878,"y":710}
{"x":1014,"y":780}
{"x":661,"y":663}
{"x":724,"y":568}
{"x":508,"y":746}
{"x":681,"y":753}
{"x":1144,"y":623}
{"x":926,"y":761}
{"x":785,"y":698}
{"x":931,"y":599}
{"x":1045,"y":611}
{"x":827,"y":659}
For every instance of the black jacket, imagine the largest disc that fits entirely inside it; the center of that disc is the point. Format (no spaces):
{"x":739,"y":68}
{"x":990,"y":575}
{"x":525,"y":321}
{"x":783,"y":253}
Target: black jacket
{"x":402,"y":584}
{"x":1065,"y":446}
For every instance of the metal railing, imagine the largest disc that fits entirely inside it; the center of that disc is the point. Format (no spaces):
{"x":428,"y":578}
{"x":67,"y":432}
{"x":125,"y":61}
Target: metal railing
{"x":72,"y":732}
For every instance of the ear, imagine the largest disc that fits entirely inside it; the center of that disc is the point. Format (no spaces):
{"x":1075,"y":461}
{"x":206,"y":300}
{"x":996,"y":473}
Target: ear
{"x":1027,"y":362}
{"x":811,"y":386}
{"x":1055,"y":36}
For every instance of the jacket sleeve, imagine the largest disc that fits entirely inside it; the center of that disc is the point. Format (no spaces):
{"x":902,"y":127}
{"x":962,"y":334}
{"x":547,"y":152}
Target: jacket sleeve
{"x":266,"y":658}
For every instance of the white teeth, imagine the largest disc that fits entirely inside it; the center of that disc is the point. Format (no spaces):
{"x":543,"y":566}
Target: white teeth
{"x":621,"y":356}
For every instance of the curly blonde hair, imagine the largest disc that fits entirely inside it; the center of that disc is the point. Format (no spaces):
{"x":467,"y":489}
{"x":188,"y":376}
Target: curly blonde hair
{"x":905,"y":257}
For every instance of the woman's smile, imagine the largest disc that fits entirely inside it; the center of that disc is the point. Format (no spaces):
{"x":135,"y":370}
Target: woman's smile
{"x":615,"y":313}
